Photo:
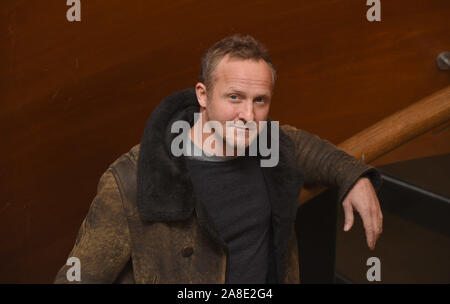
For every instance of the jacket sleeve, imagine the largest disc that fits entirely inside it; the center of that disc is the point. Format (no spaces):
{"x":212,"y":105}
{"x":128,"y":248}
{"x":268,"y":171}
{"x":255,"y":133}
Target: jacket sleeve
{"x":102,"y":245}
{"x":325,"y":164}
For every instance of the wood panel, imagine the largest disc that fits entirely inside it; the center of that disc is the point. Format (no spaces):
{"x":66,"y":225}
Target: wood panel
{"x":75,"y":96}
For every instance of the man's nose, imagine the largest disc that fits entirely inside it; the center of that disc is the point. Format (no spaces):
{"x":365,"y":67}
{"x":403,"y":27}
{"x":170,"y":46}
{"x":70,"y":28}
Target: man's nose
{"x":247,"y":111}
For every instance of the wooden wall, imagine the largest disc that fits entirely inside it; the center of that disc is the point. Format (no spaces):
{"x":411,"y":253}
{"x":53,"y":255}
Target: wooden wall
{"x":75,"y":96}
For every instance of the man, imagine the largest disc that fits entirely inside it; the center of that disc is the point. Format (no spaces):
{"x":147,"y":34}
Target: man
{"x":213,"y":218}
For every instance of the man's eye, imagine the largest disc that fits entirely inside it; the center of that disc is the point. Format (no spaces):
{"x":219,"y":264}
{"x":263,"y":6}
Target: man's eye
{"x":234,"y":97}
{"x":259,"y":99}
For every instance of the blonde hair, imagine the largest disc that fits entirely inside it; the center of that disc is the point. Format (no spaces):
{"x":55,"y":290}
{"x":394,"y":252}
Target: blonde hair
{"x":235,"y":46}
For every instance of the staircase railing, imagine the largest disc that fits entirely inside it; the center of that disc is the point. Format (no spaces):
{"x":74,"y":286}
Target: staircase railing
{"x":394,"y":131}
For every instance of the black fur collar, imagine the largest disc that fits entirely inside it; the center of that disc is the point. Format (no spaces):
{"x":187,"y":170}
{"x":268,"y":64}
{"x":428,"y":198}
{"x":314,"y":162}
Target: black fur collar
{"x":164,"y":189}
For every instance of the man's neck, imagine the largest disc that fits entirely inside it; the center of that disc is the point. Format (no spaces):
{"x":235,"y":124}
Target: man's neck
{"x":197,"y":142}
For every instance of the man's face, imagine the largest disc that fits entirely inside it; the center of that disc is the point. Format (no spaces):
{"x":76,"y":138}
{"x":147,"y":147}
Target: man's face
{"x":241,"y":93}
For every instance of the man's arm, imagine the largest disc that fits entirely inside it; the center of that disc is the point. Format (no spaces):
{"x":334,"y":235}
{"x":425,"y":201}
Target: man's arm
{"x":102,"y":245}
{"x":327,"y":165}
{"x":358,"y":183}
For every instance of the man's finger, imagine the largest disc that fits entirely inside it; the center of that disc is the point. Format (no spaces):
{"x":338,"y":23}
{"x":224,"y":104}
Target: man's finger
{"x":371,"y":242}
{"x":348,"y":211}
{"x":370,"y":236}
{"x":380,"y":216}
{"x":379,"y":229}
{"x":369,"y":226}
{"x":377,"y":220}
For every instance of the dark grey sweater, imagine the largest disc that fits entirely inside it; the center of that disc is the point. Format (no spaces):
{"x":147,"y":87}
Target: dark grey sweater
{"x":234,"y":193}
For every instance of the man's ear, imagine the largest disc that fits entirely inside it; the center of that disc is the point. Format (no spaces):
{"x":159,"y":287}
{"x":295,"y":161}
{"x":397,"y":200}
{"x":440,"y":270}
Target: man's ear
{"x":200,"y":90}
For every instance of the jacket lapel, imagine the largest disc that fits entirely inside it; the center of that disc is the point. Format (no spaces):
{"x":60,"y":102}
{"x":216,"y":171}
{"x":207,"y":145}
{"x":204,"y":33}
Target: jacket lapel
{"x":284,"y":183}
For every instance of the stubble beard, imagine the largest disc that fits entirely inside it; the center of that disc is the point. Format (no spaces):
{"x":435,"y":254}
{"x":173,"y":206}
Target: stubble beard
{"x":240,"y":140}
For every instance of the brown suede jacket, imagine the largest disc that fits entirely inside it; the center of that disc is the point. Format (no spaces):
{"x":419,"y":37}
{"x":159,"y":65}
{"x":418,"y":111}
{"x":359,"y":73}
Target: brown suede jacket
{"x":145,"y":225}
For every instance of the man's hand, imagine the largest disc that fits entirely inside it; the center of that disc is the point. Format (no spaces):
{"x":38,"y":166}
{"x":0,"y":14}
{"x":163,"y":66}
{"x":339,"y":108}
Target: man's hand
{"x":363,"y":198}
